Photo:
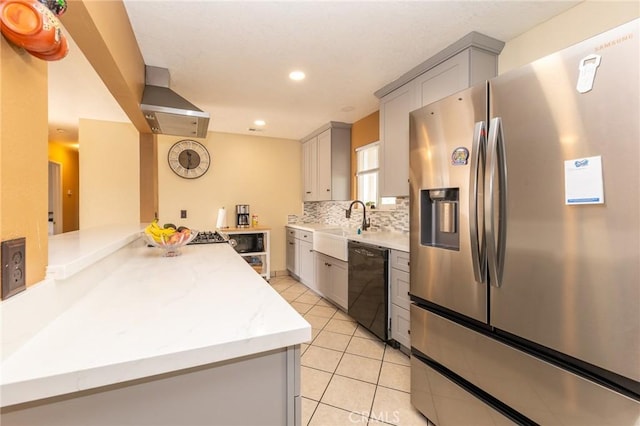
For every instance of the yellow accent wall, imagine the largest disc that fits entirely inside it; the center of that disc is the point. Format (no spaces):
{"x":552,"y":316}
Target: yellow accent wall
{"x":23,"y":155}
{"x":363,"y":132}
{"x":67,"y":156}
{"x":260,"y":171}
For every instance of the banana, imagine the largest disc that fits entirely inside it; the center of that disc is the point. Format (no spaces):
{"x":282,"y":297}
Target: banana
{"x":159,"y":235}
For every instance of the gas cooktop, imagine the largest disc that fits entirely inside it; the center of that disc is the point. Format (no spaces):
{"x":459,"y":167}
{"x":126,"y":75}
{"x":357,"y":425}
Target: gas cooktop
{"x":210,"y":237}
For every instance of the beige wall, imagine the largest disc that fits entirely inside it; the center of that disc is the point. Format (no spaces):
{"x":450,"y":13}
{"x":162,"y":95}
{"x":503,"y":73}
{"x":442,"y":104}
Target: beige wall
{"x":262,"y":172}
{"x":23,"y":155}
{"x":578,"y":23}
{"x":109,"y":173}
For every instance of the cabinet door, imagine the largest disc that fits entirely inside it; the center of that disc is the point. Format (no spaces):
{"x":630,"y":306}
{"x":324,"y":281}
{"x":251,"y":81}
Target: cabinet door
{"x":443,"y":80}
{"x":310,"y":169}
{"x":400,"y":325}
{"x":338,"y":283}
{"x":291,"y":255}
{"x":324,"y":166}
{"x":399,"y":288}
{"x":322,"y":274}
{"x":306,"y":264}
{"x":394,"y":137}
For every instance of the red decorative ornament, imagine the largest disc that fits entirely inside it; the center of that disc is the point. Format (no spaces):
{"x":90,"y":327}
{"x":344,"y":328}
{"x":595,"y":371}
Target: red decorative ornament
{"x":31,"y":25}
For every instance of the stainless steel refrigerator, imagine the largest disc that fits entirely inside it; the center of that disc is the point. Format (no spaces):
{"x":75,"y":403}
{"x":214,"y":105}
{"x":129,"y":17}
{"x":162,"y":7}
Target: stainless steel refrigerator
{"x":525,"y":243}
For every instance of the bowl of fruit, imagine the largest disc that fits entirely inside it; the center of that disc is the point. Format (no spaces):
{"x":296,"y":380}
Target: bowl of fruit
{"x":168,"y":237}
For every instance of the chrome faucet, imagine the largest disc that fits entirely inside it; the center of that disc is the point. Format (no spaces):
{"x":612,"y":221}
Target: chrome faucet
{"x":365,"y":223}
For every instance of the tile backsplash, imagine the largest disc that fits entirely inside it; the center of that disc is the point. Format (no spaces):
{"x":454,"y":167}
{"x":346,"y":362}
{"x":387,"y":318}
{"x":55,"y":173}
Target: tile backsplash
{"x":333,"y":213}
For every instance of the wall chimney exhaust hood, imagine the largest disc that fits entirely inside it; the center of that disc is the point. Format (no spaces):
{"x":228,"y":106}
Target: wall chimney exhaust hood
{"x":167,"y":112}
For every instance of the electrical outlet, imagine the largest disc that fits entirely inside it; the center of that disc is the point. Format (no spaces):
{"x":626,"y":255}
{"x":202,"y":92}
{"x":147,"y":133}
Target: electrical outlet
{"x":183,"y":214}
{"x":13,"y":267}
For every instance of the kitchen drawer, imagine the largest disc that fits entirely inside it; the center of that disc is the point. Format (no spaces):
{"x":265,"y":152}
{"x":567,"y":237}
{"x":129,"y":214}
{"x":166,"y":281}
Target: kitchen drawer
{"x":304,"y":235}
{"x":400,"y":260}
{"x":300,"y":234}
{"x":546,"y":393}
{"x":399,"y":288}
{"x":435,"y":395}
{"x":400,"y":325}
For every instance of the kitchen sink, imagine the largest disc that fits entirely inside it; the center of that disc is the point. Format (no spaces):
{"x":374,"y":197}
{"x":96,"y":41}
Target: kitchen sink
{"x":339,"y":232}
{"x":333,"y":242}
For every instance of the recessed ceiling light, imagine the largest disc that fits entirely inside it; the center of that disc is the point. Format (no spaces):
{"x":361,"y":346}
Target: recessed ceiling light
{"x":296,"y":75}
{"x":259,"y":122}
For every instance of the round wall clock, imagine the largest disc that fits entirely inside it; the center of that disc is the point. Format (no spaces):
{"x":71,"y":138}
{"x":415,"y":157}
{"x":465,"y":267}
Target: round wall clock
{"x":189,"y":159}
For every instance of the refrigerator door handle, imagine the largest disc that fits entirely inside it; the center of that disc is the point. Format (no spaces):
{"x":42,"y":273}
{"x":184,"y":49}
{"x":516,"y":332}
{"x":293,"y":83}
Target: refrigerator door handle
{"x":476,"y":228}
{"x":495,"y":192}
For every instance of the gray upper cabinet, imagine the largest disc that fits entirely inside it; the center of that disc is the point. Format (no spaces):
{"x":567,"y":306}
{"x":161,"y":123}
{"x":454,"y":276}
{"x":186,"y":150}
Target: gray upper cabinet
{"x":469,"y":61}
{"x":326,"y":163}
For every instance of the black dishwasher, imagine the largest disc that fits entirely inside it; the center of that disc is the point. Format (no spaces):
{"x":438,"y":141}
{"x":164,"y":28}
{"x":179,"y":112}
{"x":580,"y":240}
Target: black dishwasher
{"x":368,"y":289}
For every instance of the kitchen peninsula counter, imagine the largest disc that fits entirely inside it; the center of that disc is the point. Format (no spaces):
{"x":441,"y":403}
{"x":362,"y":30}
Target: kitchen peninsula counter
{"x":136,"y":321}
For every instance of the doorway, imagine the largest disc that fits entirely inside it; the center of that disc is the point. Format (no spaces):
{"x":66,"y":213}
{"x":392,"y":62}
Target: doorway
{"x":55,"y":198}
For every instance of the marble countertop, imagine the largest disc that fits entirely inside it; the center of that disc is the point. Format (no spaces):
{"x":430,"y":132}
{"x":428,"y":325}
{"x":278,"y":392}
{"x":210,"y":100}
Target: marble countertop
{"x":71,"y":252}
{"x":137,"y":314}
{"x":312,"y":226}
{"x":389,"y":239}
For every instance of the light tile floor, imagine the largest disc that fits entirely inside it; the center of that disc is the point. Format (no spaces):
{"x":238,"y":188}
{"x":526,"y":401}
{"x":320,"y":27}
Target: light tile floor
{"x":349,"y":377}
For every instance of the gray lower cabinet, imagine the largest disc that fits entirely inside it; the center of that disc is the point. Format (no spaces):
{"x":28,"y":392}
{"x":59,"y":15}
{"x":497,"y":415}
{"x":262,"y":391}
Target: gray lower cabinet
{"x":332,"y":276}
{"x":306,"y":265}
{"x":260,"y":389}
{"x":300,"y":256}
{"x":399,"y":298}
{"x":292,"y":257}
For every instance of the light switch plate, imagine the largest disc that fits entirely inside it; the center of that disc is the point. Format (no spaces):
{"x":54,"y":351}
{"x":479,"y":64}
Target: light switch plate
{"x":13,"y":267}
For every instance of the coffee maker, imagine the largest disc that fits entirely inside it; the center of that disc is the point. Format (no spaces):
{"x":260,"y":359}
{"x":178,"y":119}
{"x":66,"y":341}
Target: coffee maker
{"x":243,"y":219}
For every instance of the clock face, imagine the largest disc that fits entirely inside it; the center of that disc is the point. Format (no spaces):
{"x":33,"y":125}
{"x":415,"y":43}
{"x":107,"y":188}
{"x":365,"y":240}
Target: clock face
{"x":189,"y":159}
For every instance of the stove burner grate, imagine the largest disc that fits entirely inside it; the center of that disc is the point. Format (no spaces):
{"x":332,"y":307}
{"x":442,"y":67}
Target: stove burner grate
{"x":210,"y":237}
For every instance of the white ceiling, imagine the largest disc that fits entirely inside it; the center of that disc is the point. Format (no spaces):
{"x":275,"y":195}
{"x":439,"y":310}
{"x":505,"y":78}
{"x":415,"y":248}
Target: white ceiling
{"x":232,"y":58}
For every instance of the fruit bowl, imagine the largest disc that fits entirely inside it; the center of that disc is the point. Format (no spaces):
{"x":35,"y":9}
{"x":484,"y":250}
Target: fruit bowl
{"x":170,"y":243}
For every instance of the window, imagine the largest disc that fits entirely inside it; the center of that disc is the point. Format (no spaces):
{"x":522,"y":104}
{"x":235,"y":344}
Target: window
{"x":367,"y":174}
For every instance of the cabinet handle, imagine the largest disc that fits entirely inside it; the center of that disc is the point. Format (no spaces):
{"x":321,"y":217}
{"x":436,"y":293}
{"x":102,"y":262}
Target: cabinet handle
{"x":328,"y":190}
{"x":308,"y":192}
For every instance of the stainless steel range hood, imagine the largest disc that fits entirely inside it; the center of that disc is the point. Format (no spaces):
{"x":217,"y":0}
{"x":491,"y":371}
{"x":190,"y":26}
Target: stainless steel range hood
{"x":167,"y":112}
